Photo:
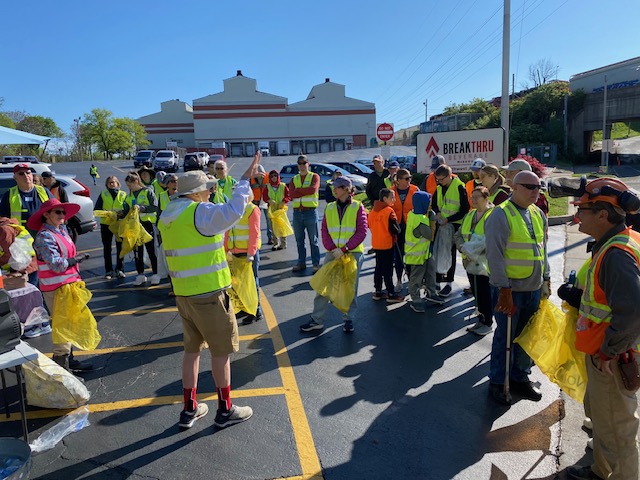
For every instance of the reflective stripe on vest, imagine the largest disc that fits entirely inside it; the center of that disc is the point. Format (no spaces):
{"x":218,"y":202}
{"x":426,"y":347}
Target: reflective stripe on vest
{"x":449,"y":203}
{"x":197,"y":264}
{"x":342,"y":231}
{"x":15,"y":201}
{"x":308,"y":201}
{"x":276,"y":194}
{"x":49,"y":280}
{"x":466,"y":230}
{"x":163,"y":200}
{"x":239,"y":234}
{"x":142,"y":199}
{"x":520,"y":253}
{"x":111,"y":204}
{"x":416,"y":249}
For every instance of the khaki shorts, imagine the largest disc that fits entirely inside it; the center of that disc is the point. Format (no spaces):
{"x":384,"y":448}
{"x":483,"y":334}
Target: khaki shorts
{"x":209,"y":319}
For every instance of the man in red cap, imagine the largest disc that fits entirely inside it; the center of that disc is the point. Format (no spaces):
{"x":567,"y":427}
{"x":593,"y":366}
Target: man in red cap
{"x":608,"y":328}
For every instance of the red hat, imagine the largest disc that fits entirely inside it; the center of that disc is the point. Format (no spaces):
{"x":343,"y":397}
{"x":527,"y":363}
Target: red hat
{"x":35,"y":221}
{"x":21,"y":166}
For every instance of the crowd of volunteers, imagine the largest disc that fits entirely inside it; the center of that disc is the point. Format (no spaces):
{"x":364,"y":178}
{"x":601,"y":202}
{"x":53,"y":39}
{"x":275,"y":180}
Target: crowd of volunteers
{"x":194,"y":227}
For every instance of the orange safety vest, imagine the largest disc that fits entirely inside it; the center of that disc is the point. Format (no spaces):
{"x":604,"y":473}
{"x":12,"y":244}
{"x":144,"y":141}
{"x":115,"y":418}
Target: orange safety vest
{"x":403,"y":209}
{"x":432,"y":185}
{"x":381,"y":238}
{"x":594,"y":313}
{"x":470,"y":185}
{"x":257,"y":187}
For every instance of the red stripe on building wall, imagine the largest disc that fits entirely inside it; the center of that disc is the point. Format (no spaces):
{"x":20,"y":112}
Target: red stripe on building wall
{"x":261,"y":106}
{"x":208,"y":116}
{"x":154,"y":125}
{"x":153,"y":132}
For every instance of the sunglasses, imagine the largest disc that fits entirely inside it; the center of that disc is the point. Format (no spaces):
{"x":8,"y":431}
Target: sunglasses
{"x":59,"y":212}
{"x":219,"y":168}
{"x":25,"y":172}
{"x":302,"y":163}
{"x":273,"y":175}
{"x":404,"y":178}
{"x":530,"y":186}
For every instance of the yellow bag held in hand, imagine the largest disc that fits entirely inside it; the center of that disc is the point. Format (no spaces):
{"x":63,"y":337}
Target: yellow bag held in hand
{"x":108,"y":217}
{"x":336,"y":280}
{"x":549,"y":339}
{"x":280,"y":222}
{"x":131,"y":232}
{"x":72,"y":320}
{"x":243,"y":293}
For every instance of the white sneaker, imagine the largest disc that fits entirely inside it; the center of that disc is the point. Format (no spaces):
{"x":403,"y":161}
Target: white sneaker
{"x":482,"y":330}
{"x":155,"y":279}
{"x":140,"y":279}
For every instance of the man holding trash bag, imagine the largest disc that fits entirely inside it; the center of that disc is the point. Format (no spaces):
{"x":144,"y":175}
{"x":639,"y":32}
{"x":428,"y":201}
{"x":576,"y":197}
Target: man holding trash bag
{"x":192,"y":235}
{"x":516,"y":238}
{"x":608,"y":328}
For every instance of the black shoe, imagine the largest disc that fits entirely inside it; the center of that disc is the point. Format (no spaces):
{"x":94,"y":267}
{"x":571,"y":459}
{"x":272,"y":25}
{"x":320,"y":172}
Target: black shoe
{"x":249,"y":319}
{"x":581,"y":473}
{"x":497,"y":393}
{"x":527,"y":390}
{"x":78,"y":366}
{"x":445,"y":291}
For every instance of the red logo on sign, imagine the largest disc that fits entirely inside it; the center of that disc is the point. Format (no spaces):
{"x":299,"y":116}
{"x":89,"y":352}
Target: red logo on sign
{"x":432,"y":148}
{"x":384,"y":132}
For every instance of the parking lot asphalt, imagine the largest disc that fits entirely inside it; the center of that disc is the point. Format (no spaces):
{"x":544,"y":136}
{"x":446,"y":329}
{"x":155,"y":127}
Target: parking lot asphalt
{"x":404,"y":396}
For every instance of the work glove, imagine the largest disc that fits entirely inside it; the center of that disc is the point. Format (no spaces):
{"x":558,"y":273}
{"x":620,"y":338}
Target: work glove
{"x":505,"y":301}
{"x":337,"y":253}
{"x":545,"y":290}
{"x":81,"y":257}
{"x":249,"y":258}
{"x":570,"y":294}
{"x":141,"y":208}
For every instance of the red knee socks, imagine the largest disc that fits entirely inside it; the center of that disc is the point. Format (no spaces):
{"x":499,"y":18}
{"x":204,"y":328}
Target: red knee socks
{"x":224,"y":398}
{"x":190,"y":401}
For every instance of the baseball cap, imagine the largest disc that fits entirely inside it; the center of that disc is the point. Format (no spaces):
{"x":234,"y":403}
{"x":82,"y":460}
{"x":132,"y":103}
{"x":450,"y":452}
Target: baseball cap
{"x":437,"y":161}
{"x":46,"y":175}
{"x":393,"y":163}
{"x":342,"y":182}
{"x":478,"y":164}
{"x":21,"y":166}
{"x":517,"y":165}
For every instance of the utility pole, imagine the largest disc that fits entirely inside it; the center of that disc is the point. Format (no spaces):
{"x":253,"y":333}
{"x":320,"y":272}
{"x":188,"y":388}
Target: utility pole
{"x":603,"y":154}
{"x":426,"y":115}
{"x":504,"y":102}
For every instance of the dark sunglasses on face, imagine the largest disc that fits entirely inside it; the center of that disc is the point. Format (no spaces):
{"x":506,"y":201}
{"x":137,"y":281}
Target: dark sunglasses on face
{"x":302,"y":163}
{"x":25,"y":172}
{"x":59,"y":212}
{"x":219,"y":168}
{"x":530,"y":186}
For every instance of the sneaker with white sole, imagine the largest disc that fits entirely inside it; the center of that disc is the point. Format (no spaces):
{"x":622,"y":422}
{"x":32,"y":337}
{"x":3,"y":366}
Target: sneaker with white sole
{"x":109,"y":275}
{"x":33,"y":332}
{"x":187,"y":419}
{"x":155,"y":279}
{"x":445,"y":291}
{"x":347,"y":326}
{"x":234,"y":415}
{"x":417,"y":307}
{"x":140,"y":279}
{"x":45,"y":329}
{"x":120,"y":274}
{"x":475,"y":326}
{"x":311,"y":325}
{"x":482,"y":330}
{"x":435,"y":299}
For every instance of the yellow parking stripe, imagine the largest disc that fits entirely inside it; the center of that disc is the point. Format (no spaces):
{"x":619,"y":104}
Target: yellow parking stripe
{"x":141,"y":311}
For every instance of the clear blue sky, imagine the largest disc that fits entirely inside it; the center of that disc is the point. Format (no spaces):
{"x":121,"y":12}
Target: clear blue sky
{"x":63,"y":59}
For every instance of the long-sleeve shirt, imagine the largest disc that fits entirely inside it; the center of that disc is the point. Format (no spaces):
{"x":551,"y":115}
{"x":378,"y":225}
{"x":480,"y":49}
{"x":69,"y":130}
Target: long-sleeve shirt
{"x":265,"y":193}
{"x":47,"y":248}
{"x":303,"y":191}
{"x":375,"y":184}
{"x":497,"y":233}
{"x":356,"y":239}
{"x":619,"y":277}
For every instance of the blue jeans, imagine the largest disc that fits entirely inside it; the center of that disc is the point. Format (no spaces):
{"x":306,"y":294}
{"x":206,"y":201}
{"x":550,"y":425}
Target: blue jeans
{"x":256,"y":265}
{"x":306,"y":220}
{"x":269,"y":231}
{"x":321,"y":303}
{"x":526,"y":304}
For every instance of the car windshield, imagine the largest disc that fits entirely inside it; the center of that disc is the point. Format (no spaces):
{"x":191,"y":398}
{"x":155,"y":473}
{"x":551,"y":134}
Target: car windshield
{"x":164,"y":154}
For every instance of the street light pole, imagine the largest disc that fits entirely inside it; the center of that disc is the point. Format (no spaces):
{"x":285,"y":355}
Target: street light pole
{"x":603,"y":154}
{"x":504,"y":103}
{"x":77,"y":122}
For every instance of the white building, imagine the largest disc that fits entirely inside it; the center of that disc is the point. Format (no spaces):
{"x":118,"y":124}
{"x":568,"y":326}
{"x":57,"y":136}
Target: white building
{"x":245,"y":118}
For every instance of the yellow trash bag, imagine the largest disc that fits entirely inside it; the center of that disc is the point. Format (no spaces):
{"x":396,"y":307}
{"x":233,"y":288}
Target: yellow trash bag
{"x":336,"y":280}
{"x":72,"y":320}
{"x":131,"y":232}
{"x":280,"y":222}
{"x":243,"y":293}
{"x":549,"y":339}
{"x":107,"y":217}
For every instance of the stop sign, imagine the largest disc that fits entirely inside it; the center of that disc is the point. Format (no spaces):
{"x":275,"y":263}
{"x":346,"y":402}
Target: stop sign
{"x":384,"y":132}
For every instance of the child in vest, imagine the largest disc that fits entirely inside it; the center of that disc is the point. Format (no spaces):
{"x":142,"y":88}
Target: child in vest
{"x":417,"y":252}
{"x":276,"y":195}
{"x":384,"y":231}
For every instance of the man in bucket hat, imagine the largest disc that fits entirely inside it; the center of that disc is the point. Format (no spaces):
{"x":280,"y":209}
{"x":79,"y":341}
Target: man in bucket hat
{"x":192,"y":231}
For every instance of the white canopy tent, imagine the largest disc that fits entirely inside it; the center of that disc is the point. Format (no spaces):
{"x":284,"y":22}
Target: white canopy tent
{"x":9,"y":136}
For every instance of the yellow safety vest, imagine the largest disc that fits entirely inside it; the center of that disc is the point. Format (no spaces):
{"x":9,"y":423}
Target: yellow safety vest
{"x":467,"y":221}
{"x":143,"y":199}
{"x":308,"y":201}
{"x":112,"y":204}
{"x":15,"y":201}
{"x":227,"y":188}
{"x":239,"y":234}
{"x":276,"y":194}
{"x":449,"y":203}
{"x":387,"y":182}
{"x":163,"y":200}
{"x":197,"y":263}
{"x":341,"y":232}
{"x":519,"y":254}
{"x":22,"y":233}
{"x":416,"y":249}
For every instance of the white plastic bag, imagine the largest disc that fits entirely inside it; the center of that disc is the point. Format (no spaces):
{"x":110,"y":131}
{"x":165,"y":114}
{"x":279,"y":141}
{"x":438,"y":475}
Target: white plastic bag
{"x":442,"y":248}
{"x":37,"y":316}
{"x":71,"y":423}
{"x":51,"y":386}
{"x":475,"y":247}
{"x":21,"y":254}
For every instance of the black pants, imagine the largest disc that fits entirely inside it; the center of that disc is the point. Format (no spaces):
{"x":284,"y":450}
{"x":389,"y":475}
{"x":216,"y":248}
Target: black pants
{"x":139,"y":252}
{"x":398,"y":252}
{"x":482,"y":291}
{"x":384,"y":270}
{"x":107,"y":238}
{"x":451,"y":273}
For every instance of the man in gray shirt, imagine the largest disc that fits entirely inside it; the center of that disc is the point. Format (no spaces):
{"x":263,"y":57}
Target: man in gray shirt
{"x":516,"y":237}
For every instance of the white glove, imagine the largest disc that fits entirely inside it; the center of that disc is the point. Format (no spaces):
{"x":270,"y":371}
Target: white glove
{"x":545,"y":290}
{"x":337,"y":253}
{"x":249,"y":258}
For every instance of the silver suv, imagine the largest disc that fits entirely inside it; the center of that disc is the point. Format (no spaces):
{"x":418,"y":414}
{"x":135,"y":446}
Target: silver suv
{"x":166,"y":160}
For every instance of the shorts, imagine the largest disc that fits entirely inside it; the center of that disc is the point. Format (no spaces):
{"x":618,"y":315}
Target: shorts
{"x":209,"y":319}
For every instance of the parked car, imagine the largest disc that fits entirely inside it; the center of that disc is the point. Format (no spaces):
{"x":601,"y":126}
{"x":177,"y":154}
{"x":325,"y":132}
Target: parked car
{"x":215,"y":158}
{"x":83,"y":221}
{"x":406,"y":161}
{"x":144,"y":158}
{"x":166,"y":160}
{"x":37,"y":168}
{"x":265,"y":152}
{"x":325,"y":170}
{"x":192,"y":162}
{"x":365,"y":161}
{"x":20,"y":159}
{"x":353,"y":167}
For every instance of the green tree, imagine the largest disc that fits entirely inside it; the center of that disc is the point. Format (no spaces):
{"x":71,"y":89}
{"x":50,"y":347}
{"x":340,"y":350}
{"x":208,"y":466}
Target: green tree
{"x":5,"y":121}
{"x":136,"y":131}
{"x":40,"y":125}
{"x":477,"y":105}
